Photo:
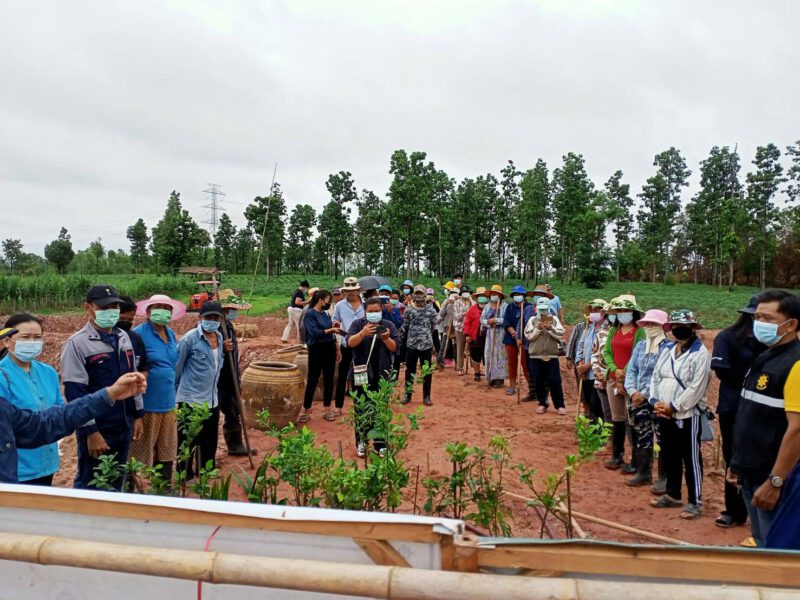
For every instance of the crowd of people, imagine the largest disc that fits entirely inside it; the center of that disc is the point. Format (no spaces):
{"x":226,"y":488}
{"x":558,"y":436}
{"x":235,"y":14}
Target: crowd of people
{"x":645,"y":373}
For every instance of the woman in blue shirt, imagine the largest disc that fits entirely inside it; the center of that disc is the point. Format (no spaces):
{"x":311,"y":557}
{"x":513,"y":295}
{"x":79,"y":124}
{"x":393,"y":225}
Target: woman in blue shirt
{"x":33,"y":385}
{"x":322,"y":352}
{"x":200,"y":357}
{"x":159,"y":441}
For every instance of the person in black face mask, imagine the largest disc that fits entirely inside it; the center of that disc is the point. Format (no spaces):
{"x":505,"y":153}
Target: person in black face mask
{"x":323,"y":352}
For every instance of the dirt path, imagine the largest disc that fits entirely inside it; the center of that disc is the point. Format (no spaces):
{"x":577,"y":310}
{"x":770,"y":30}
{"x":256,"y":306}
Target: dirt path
{"x":465,"y":411}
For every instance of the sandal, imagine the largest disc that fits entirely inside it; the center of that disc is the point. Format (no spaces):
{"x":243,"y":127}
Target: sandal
{"x":562,"y":411}
{"x":337,"y":413}
{"x":665,"y":501}
{"x":726,"y":521}
{"x":690,"y":512}
{"x":304,"y":417}
{"x":328,"y":416}
{"x":541,"y":410}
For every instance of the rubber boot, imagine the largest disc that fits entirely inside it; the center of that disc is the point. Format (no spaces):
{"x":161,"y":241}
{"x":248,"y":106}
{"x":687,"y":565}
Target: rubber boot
{"x":644,"y":474}
{"x":406,"y":399}
{"x":617,"y":446}
{"x":633,"y":466}
{"x":233,"y":440}
{"x":427,"y":401}
{"x":659,"y":488}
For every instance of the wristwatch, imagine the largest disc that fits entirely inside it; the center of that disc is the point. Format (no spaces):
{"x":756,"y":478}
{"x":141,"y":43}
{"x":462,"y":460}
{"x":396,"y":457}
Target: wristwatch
{"x":775,"y":481}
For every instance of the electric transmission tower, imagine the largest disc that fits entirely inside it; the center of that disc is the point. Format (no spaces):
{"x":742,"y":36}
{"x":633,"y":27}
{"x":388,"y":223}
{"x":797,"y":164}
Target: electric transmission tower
{"x":214,"y":205}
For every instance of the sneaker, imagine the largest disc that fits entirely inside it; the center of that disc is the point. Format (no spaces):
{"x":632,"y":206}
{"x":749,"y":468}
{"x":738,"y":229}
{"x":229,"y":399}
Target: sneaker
{"x":361,"y":450}
{"x":511,"y":391}
{"x":382,"y":452}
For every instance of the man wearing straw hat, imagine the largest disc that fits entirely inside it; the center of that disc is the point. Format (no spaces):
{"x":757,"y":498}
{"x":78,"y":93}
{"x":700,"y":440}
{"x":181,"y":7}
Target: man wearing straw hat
{"x":226,"y":390}
{"x":494,"y":352}
{"x":346,"y":312}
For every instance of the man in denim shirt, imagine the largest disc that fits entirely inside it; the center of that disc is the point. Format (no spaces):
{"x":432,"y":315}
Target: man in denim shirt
{"x":200,"y":358}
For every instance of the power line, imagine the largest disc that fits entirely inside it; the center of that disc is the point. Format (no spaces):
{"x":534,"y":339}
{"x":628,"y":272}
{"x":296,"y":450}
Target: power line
{"x":214,"y":206}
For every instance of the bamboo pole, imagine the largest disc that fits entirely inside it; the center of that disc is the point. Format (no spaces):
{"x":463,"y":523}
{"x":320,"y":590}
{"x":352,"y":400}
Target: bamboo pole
{"x":390,"y":583}
{"x":561,"y":509}
{"x":576,"y":528}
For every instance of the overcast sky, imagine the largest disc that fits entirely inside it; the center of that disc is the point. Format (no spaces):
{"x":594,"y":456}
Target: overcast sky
{"x":107,"y":106}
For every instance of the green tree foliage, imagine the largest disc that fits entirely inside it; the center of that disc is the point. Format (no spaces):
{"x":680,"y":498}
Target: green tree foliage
{"x":59,"y":252}
{"x":572,"y":196}
{"x":177,"y":239}
{"x":271,"y":210}
{"x":225,"y":243}
{"x":530,"y":227}
{"x":504,"y":217}
{"x":12,"y":253}
{"x":620,"y":213}
{"x":370,"y":232}
{"x":334,"y":222}
{"x":300,"y":239}
{"x":793,"y":172}
{"x":476,"y":202}
{"x":762,"y":184}
{"x":409,"y":208}
{"x":661,"y":200}
{"x":714,"y":217}
{"x":137,"y":236}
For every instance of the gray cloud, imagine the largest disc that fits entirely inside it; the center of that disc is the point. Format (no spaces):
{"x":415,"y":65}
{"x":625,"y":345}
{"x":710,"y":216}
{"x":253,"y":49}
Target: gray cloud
{"x":105,"y":107}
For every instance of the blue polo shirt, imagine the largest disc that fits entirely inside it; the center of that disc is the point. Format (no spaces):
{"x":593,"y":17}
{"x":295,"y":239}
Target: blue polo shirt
{"x":161,"y":360}
{"x":34,"y":391}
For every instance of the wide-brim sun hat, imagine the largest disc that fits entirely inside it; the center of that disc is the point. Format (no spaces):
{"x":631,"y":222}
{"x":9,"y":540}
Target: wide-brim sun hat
{"x":481,"y":291}
{"x":351,"y":285}
{"x":517,"y":290}
{"x":429,"y":291}
{"x":596,"y":303}
{"x":624,"y":303}
{"x":178,"y":307}
{"x":449,"y":285}
{"x":540,"y":291}
{"x":682,"y":316}
{"x":497,"y":290}
{"x":653,"y":318}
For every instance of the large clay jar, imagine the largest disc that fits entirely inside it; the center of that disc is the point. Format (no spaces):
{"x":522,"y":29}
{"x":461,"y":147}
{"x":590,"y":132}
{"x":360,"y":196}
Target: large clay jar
{"x":275,"y":386}
{"x":301,"y":360}
{"x":287,"y":354}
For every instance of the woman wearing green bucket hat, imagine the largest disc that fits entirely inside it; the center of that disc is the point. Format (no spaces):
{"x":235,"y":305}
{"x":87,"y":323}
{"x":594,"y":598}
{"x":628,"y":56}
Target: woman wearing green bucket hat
{"x":618,"y":350}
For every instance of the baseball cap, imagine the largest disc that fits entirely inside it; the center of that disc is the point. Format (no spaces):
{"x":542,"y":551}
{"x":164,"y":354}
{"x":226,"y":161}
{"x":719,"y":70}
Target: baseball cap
{"x":102,"y":295}
{"x":7,"y":332}
{"x":210,"y":308}
{"x":421,"y":289}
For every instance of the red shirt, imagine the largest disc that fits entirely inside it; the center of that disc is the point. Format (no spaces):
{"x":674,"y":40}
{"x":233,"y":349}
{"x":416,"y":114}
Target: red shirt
{"x":472,"y":322}
{"x":622,"y":347}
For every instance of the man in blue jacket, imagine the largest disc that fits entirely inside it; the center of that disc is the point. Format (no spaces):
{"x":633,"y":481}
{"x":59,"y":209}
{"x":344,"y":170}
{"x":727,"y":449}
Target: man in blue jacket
{"x":27,"y":429}
{"x":93,"y":358}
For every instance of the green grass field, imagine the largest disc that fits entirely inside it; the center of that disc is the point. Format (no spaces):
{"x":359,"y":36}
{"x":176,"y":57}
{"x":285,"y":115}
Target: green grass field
{"x":714,"y":307}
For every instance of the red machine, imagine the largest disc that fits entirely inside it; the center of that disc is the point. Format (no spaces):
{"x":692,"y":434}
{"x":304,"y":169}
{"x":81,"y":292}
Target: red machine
{"x":196,"y":301}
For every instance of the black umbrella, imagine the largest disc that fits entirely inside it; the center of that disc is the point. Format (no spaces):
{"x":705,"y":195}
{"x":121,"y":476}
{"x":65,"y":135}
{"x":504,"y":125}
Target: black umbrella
{"x":373,"y":282}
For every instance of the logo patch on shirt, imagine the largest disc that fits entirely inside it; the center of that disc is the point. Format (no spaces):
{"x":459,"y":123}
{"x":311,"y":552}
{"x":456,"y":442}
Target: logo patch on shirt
{"x":762,"y":382}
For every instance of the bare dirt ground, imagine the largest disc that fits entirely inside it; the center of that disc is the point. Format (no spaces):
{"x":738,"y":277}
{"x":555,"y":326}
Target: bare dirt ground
{"x":468,"y":412}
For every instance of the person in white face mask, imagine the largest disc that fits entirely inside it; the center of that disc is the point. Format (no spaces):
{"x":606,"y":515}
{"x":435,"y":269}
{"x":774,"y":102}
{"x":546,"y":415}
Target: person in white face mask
{"x":618,"y":349}
{"x":595,"y":316}
{"x":31,"y":385}
{"x":637,"y":386}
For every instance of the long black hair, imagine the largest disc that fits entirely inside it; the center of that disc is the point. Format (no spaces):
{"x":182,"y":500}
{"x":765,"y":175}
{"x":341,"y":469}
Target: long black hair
{"x":318,"y":295}
{"x":742,"y":329}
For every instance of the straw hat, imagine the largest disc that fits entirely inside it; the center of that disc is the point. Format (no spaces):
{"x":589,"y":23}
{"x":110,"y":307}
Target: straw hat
{"x":449,"y":285}
{"x":178,"y":307}
{"x":540,"y":291}
{"x":481,"y":291}
{"x":497,"y":290}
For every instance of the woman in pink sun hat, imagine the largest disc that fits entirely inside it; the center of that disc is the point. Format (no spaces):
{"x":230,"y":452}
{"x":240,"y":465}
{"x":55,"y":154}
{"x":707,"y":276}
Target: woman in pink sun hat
{"x":158,"y":444}
{"x":637,"y":387}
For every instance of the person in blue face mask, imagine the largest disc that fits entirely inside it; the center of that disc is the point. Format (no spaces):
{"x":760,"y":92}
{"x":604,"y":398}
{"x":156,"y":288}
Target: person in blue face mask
{"x":33,"y":385}
{"x":91,"y":359}
{"x":200,"y":358}
{"x":766,"y":436}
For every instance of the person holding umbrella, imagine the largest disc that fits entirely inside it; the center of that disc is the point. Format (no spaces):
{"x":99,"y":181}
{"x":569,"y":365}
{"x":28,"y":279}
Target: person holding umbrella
{"x":494,"y":352}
